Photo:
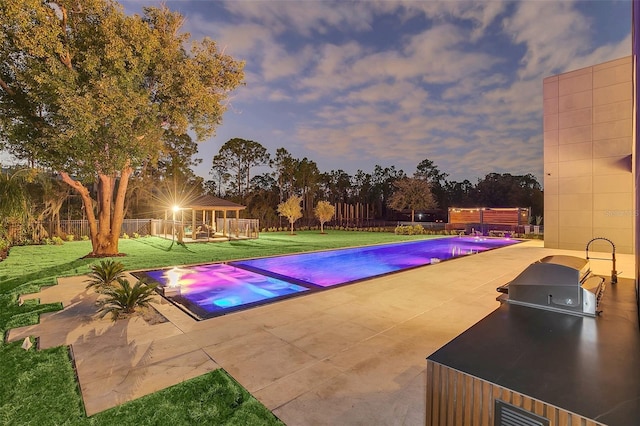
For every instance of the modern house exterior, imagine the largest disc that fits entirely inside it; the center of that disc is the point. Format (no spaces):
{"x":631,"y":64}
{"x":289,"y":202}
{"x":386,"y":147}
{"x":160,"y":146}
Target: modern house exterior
{"x":589,"y":184}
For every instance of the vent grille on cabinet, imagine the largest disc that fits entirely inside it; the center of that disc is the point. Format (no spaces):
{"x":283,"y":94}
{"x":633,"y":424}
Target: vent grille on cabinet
{"x":510,"y":415}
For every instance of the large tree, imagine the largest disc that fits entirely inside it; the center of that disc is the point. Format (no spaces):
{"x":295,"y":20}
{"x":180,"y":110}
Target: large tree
{"x":429,"y":172}
{"x":88,"y":91}
{"x":285,"y":167}
{"x":238,"y":156}
{"x":383,"y":180}
{"x":413,"y":194}
{"x":506,"y":190}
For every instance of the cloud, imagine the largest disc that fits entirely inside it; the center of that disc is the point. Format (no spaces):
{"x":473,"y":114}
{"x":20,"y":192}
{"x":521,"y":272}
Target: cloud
{"x":353,"y":84}
{"x":304,"y":17}
{"x":552,"y":32}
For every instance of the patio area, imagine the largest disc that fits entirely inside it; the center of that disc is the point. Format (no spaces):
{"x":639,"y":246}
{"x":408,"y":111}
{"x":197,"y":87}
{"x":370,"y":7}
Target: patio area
{"x":351,"y":355}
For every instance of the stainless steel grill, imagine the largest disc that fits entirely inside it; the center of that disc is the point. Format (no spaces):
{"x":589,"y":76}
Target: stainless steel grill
{"x":557,"y":283}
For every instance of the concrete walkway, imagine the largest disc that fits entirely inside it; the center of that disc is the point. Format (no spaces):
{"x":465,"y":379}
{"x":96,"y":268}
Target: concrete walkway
{"x":353,"y":355}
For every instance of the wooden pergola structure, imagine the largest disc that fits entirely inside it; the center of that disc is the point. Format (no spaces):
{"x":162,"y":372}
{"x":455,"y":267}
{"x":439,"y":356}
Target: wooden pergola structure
{"x":208,"y":203}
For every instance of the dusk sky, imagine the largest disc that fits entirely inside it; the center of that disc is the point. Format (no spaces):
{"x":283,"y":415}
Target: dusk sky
{"x":355,"y":84}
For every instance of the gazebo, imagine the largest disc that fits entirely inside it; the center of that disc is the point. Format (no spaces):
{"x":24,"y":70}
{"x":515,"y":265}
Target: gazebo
{"x":208,"y":203}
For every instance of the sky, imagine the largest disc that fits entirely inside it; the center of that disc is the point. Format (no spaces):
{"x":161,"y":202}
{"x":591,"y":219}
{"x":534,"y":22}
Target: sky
{"x":351,"y":85}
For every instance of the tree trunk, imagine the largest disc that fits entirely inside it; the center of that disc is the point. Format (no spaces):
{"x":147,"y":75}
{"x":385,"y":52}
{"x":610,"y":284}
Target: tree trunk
{"x":291,"y":228}
{"x":105,"y":230}
{"x":412,"y":215}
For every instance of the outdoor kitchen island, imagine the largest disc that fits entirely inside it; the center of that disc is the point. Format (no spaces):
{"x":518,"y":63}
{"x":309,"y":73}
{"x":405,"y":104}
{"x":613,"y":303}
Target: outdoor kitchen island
{"x":528,"y":366}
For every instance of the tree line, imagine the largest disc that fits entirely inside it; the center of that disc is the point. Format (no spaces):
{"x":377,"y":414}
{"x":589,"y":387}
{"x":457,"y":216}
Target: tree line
{"x":390,"y":192}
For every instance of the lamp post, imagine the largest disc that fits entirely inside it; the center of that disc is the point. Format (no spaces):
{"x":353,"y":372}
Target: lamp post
{"x":175,"y":208}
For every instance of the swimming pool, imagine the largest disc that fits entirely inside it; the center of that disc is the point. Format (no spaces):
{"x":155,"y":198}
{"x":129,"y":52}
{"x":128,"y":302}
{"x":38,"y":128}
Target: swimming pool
{"x":206,"y":291}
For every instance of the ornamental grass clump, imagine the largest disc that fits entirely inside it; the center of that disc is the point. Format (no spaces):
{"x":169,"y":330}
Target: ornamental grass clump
{"x":122,"y":300}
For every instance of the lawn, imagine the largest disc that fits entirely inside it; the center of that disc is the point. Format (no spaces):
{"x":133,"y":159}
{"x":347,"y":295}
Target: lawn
{"x":39,"y":387}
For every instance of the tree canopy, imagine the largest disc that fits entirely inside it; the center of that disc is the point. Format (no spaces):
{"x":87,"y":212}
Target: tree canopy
{"x":324,"y":211}
{"x":236,"y":158}
{"x":291,"y":209}
{"x":413,"y":194}
{"x":88,"y":91}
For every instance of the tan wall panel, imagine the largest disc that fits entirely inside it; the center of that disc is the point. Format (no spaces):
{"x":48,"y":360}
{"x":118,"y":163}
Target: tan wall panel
{"x":612,"y":147}
{"x":550,"y":106}
{"x":616,"y":183}
{"x":575,"y":168}
{"x":575,"y":83}
{"x":617,"y":202}
{"x":610,"y":64}
{"x":611,"y":94}
{"x":551,"y":173}
{"x":551,"y":244}
{"x":613,"y":111}
{"x":576,"y":118}
{"x":575,"y":73}
{"x":551,"y":138}
{"x":579,"y":246}
{"x":622,"y":238}
{"x":551,"y":229}
{"x":612,"y":165}
{"x":551,"y":202}
{"x":574,"y":235}
{"x":612,"y":129}
{"x":575,"y":151}
{"x":619,"y":219}
{"x":573,"y":202}
{"x":575,"y":185}
{"x":575,"y":101}
{"x":551,"y":154}
{"x":580,"y":219}
{"x":612,"y":75}
{"x":575,"y":135}
{"x":550,"y":87}
{"x":550,"y":122}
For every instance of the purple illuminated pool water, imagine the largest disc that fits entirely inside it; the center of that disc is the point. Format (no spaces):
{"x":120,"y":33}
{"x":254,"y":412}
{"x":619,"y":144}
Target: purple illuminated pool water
{"x":329,"y":268}
{"x":210,"y":290}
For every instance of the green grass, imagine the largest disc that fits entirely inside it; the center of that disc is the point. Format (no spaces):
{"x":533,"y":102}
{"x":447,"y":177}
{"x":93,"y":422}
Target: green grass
{"x":212,"y":399}
{"x":39,"y":387}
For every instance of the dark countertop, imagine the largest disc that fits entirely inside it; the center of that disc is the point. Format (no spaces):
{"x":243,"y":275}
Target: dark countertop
{"x":590,"y":366}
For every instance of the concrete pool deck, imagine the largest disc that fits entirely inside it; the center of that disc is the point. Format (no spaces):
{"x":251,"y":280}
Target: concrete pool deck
{"x":351,"y":355}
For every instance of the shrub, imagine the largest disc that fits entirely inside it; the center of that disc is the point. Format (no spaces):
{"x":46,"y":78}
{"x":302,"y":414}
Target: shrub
{"x":84,"y":238}
{"x":104,"y":274}
{"x":125,"y":236}
{"x":136,"y":235}
{"x":122,"y":299}
{"x":70,"y":237}
{"x":4,"y":247}
{"x":57,"y":241}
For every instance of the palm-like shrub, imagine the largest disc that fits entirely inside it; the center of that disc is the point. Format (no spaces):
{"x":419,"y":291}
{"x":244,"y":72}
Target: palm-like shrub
{"x":122,"y":299}
{"x":104,"y":274}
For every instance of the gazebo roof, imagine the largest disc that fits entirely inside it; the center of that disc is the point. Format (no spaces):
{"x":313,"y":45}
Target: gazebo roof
{"x":209,"y":202}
